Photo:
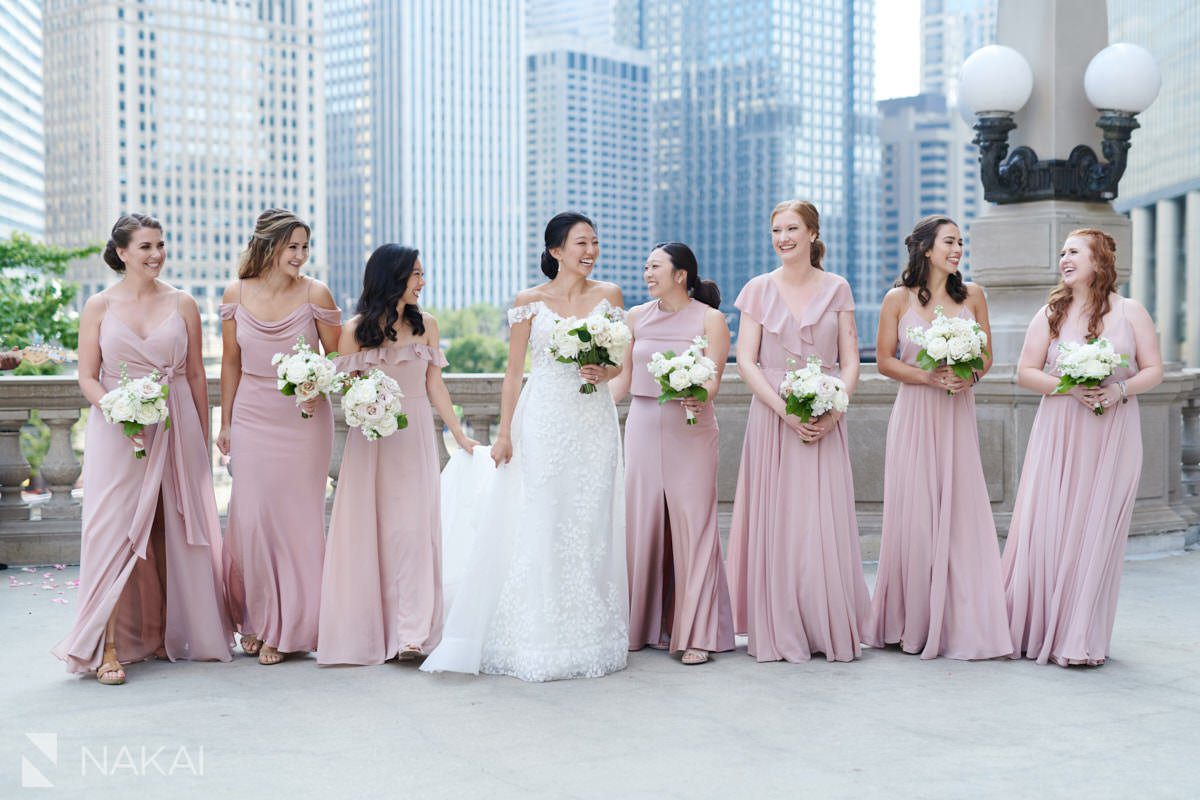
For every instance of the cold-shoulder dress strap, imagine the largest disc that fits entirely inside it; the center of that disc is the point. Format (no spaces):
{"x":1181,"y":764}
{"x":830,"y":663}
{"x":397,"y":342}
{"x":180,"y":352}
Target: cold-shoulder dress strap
{"x":518,"y":314}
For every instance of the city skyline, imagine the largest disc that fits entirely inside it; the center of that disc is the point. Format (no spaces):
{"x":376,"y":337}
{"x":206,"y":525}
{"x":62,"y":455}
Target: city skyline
{"x":22,"y":166}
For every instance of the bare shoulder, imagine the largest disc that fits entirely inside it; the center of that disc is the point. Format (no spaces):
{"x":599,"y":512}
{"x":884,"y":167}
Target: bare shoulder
{"x":351,"y":325}
{"x":319,"y":294}
{"x":95,"y":306}
{"x":187,"y":303}
{"x":431,"y":325}
{"x":232,"y":292}
{"x":531,"y":295}
{"x":610,"y":292}
{"x":895,"y":298}
{"x":1136,"y":312}
{"x":713,"y":316}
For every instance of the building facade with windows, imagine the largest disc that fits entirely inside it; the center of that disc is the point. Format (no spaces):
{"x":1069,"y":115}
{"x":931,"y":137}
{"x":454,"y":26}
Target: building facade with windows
{"x":22,"y":168}
{"x":200,"y":113}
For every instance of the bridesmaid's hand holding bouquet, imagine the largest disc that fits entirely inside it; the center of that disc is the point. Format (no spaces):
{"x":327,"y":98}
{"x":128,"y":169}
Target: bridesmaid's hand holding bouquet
{"x":601,"y":340}
{"x":372,"y":404}
{"x":957,"y":343}
{"x":306,"y":375}
{"x":809,"y":393}
{"x":1086,"y":365}
{"x":684,"y":375}
{"x":136,"y":403}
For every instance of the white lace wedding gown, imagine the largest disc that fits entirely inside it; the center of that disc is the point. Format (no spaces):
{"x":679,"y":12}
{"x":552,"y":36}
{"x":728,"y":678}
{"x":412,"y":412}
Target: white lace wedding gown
{"x":534,"y":552}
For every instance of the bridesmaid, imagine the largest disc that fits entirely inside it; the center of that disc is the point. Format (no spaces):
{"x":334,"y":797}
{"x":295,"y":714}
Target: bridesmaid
{"x":794,"y":562}
{"x":938,"y":591}
{"x":381,"y":593}
{"x":678,"y":597}
{"x":150,"y":560}
{"x":1062,"y":562}
{"x":275,"y":539}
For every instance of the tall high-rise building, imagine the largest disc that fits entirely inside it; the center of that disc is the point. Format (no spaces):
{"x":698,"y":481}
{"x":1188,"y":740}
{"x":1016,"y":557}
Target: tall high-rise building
{"x":929,"y":166}
{"x":427,"y":114}
{"x":595,"y":20}
{"x":756,"y":102}
{"x":929,"y":163}
{"x":201,"y":113}
{"x":588,"y":143}
{"x":22,"y":182}
{"x":1161,"y":186}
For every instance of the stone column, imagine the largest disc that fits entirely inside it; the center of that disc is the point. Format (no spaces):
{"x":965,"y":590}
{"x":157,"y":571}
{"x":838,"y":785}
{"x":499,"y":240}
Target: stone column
{"x":1140,"y":280}
{"x":60,"y":467}
{"x":1191,"y":260}
{"x":1166,"y":265}
{"x":14,"y":469}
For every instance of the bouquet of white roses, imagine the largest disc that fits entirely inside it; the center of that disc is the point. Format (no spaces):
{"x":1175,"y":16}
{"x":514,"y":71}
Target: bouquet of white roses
{"x":600,"y":339}
{"x":683,"y":375}
{"x":136,"y":403}
{"x":1086,"y":365}
{"x":809,"y":392}
{"x":956,"y":342}
{"x":372,"y":404}
{"x":306,"y":375}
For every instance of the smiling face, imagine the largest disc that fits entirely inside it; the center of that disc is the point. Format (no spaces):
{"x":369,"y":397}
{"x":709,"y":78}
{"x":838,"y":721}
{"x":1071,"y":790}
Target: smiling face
{"x":790,"y":237}
{"x":660,"y":274}
{"x":146,"y":253}
{"x":1075,"y":263}
{"x":579,"y":251}
{"x":416,"y":282}
{"x":946,"y":252}
{"x":293,"y":255}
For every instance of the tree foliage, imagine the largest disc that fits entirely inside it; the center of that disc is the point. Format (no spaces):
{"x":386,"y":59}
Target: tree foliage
{"x":475,"y":337}
{"x":35,"y":297}
{"x":477,"y":353}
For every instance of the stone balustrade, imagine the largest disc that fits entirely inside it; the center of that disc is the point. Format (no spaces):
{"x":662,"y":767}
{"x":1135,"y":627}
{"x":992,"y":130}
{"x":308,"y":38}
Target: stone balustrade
{"x":1166,"y":517}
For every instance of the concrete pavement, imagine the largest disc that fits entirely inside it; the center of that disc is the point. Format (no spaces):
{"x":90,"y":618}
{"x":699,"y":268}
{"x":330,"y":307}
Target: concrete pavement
{"x":889,"y":725}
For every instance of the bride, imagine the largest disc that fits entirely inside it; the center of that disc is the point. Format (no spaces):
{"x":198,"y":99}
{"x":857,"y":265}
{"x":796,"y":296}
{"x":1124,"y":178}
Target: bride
{"x":542,"y":591}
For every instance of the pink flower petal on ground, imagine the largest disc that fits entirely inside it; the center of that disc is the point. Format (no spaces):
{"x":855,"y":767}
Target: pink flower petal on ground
{"x":47,"y":574}
{"x":60,"y":566}
{"x":47,"y":586}
{"x":60,"y":600}
{"x":28,"y":569}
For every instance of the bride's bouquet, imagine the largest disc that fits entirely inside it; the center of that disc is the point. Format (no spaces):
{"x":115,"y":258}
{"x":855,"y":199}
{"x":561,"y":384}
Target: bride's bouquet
{"x":136,"y":403}
{"x":683,"y":375}
{"x":600,"y":339}
{"x":955,"y":342}
{"x":372,"y":404}
{"x":809,"y":392}
{"x":306,"y":375}
{"x":1086,"y":365}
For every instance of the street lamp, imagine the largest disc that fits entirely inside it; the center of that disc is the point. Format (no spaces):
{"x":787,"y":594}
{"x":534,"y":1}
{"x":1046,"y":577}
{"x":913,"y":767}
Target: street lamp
{"x":1121,"y":81}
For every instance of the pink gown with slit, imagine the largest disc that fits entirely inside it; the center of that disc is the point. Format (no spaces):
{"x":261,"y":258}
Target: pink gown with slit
{"x":275,"y":533}
{"x":187,"y":618}
{"x":382,"y":585}
{"x":938,"y":590}
{"x":795,"y":567}
{"x":1066,"y":543}
{"x":678,"y":596}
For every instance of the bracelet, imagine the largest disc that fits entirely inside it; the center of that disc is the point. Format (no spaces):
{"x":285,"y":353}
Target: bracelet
{"x":1124,"y":392}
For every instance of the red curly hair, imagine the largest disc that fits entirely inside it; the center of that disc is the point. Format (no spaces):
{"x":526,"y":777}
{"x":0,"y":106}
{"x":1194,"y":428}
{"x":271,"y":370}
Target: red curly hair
{"x":1104,"y":259}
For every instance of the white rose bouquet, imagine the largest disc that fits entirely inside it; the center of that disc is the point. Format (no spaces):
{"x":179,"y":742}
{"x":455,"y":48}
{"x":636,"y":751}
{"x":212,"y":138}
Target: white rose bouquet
{"x":1086,"y":365}
{"x":136,"y":403}
{"x":955,"y":342}
{"x":683,"y":375}
{"x":809,"y":392}
{"x":372,"y":404}
{"x":306,"y":375}
{"x":600,"y":339}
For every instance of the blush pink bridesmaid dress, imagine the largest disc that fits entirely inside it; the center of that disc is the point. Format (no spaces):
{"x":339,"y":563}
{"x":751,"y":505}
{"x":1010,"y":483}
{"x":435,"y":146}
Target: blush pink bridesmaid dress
{"x":1062,"y":560}
{"x":186,"y":618}
{"x":938,"y":591}
{"x":795,"y":567}
{"x":678,"y":596}
{"x":382,"y":585}
{"x":275,"y":532}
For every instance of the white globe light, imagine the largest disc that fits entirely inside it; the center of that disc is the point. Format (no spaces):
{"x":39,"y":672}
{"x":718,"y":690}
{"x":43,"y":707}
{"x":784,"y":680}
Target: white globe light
{"x":1122,"y":77}
{"x":995,"y":79}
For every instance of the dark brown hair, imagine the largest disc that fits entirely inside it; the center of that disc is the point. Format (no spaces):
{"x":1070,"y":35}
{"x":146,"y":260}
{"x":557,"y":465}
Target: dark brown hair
{"x":122,"y":234}
{"x":916,"y":271}
{"x":272,"y":232}
{"x":682,"y":258}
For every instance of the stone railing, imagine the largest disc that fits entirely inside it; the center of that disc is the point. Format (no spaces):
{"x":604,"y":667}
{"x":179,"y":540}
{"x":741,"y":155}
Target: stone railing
{"x":1166,"y":518}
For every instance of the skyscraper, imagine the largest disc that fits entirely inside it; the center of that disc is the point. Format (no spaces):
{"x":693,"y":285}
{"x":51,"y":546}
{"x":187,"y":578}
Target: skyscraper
{"x":588,"y":135}
{"x":756,"y":102}
{"x":426,"y":120}
{"x":22,"y":186}
{"x":200,"y":113}
{"x":1161,"y":187}
{"x":930,"y":165}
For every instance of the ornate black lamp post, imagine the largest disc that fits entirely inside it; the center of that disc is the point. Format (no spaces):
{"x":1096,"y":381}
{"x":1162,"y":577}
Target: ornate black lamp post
{"x":1121,"y":81}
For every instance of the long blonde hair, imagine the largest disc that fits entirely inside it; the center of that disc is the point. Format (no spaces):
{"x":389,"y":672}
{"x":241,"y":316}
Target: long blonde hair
{"x":1104,"y":259}
{"x":812,"y":220}
{"x":272,"y":232}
